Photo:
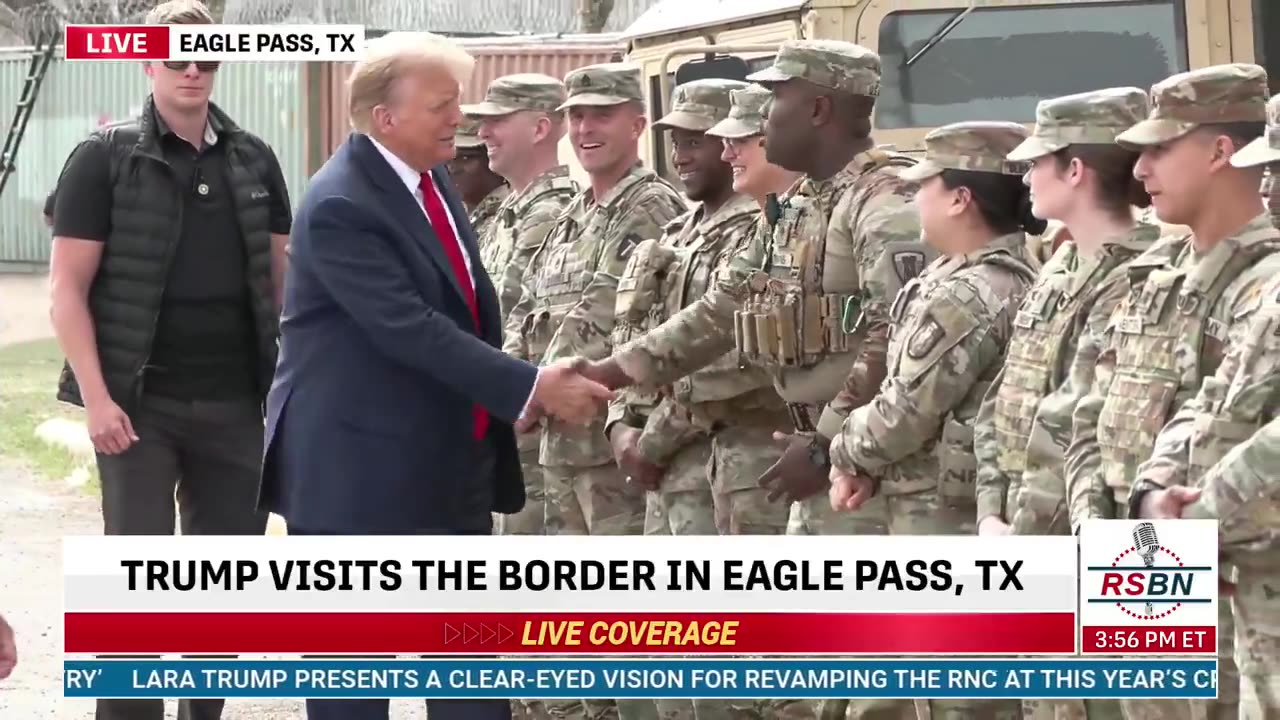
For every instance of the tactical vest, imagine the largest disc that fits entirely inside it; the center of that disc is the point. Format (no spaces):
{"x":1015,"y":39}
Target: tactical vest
{"x":563,"y":273}
{"x":146,"y":222}
{"x":502,"y":239}
{"x":1159,"y":338}
{"x":503,"y":236}
{"x":790,"y":320}
{"x":952,"y":467}
{"x":1038,"y":354}
{"x":1242,"y":396}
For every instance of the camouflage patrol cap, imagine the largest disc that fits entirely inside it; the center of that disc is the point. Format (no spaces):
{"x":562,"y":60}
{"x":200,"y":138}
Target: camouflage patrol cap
{"x":468,"y":134}
{"x":747,"y":112}
{"x":699,"y":104}
{"x":1090,"y":118}
{"x":1265,"y":149}
{"x":974,"y":146}
{"x":513,"y":93}
{"x":603,"y":84}
{"x":1219,"y":94}
{"x":831,"y":64}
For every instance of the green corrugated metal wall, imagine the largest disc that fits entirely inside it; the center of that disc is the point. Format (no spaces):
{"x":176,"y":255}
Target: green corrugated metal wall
{"x":77,"y":97}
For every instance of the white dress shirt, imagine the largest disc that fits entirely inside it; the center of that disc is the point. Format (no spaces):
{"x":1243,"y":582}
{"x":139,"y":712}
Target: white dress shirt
{"x":413,"y":181}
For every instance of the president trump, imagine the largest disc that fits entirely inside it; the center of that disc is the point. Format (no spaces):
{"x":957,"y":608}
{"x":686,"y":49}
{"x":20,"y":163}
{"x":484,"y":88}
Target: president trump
{"x":392,"y":409}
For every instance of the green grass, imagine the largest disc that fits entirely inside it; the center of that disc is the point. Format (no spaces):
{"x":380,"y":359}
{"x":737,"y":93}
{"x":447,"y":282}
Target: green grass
{"x":28,"y":382}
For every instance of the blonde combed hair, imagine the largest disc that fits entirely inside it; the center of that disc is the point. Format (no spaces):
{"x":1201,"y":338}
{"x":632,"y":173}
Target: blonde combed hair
{"x":391,"y":57}
{"x":180,"y":12}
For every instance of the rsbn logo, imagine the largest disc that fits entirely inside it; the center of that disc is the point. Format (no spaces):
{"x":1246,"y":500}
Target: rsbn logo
{"x":1148,"y":581}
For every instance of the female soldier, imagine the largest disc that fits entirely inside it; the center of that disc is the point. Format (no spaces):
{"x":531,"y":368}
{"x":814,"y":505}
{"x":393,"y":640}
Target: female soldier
{"x":1080,"y":177}
{"x":913,"y":444}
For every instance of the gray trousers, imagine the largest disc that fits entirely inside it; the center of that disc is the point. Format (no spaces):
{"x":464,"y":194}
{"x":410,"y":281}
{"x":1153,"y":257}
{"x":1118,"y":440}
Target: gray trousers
{"x":209,"y":456}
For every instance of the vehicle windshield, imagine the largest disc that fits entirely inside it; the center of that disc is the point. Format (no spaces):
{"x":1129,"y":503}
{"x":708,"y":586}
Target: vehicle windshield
{"x":999,"y":62}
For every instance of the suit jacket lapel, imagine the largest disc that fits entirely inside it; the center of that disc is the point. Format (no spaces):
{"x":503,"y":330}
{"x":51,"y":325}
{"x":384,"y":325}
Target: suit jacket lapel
{"x":486,"y":296}
{"x":405,"y":208}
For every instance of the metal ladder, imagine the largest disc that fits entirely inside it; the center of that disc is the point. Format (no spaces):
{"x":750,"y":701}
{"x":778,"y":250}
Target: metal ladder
{"x":41,"y":56}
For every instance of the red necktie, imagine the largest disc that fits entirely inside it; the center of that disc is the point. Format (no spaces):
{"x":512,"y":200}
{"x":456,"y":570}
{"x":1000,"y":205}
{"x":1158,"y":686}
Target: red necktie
{"x":439,"y":217}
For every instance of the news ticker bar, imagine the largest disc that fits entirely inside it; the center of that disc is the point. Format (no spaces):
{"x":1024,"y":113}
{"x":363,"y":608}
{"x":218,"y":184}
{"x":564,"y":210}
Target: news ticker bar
{"x":665,"y":678}
{"x":586,"y":633}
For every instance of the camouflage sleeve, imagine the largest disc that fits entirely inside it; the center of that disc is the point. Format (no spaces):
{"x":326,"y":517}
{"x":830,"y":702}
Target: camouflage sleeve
{"x":588,"y":325}
{"x":883,"y":230}
{"x":513,"y":338}
{"x":667,"y":430}
{"x":702,"y":332}
{"x":531,"y":231}
{"x":1087,"y":493}
{"x":993,"y":484}
{"x":948,"y":351}
{"x":1243,"y":493}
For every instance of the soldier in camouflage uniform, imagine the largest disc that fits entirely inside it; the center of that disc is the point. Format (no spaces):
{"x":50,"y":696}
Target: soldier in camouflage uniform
{"x":1024,"y":426}
{"x":1189,"y":295}
{"x":808,"y":297}
{"x":482,"y":189}
{"x":522,"y":127}
{"x":913,"y":444}
{"x":1227,"y":442}
{"x":567,"y":306}
{"x":708,"y":435}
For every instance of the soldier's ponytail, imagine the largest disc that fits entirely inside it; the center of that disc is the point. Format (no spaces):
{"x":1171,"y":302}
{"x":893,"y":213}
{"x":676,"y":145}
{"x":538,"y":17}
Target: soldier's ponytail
{"x":1003,"y":200}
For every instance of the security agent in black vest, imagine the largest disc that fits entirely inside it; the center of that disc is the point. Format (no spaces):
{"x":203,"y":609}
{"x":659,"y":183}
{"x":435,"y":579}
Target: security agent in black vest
{"x":182,"y":313}
{"x":166,"y":257}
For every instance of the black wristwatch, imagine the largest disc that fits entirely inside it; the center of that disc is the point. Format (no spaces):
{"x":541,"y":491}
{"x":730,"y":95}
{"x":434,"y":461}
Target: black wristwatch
{"x":1134,"y":511}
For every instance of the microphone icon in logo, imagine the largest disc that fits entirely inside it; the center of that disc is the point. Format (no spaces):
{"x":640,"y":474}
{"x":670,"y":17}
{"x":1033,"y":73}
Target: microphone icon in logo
{"x":1146,"y":543}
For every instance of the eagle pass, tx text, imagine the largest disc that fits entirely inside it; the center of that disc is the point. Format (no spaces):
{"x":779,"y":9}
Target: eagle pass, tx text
{"x":566,"y":575}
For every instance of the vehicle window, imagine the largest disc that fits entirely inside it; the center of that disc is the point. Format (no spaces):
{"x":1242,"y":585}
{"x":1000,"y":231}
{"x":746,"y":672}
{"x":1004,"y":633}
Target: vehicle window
{"x":755,"y":65}
{"x":999,"y":62}
{"x":1266,"y":40}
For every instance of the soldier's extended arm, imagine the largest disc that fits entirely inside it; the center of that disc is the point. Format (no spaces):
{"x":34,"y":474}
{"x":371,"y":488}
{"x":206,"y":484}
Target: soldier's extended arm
{"x":883,"y":228}
{"x":700,"y":333}
{"x":1087,"y":493}
{"x":943,"y":359}
{"x":992,"y":483}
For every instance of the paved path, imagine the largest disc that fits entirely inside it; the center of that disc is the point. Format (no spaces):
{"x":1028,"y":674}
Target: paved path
{"x":34,"y":515}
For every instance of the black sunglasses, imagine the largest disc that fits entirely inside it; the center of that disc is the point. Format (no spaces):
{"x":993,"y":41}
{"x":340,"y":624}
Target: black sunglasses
{"x":184,"y":64}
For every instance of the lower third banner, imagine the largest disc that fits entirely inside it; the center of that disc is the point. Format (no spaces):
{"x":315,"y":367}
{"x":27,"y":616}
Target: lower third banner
{"x":649,"y":678}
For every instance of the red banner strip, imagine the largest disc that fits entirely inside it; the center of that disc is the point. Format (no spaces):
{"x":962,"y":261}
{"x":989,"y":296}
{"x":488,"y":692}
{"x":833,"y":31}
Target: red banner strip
{"x":589,"y":633}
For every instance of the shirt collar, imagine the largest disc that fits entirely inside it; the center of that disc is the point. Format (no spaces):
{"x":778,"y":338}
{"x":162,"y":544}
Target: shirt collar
{"x":410,"y":177}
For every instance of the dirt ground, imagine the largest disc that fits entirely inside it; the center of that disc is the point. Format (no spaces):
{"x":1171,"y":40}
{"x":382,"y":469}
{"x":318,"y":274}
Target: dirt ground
{"x":35,"y":513}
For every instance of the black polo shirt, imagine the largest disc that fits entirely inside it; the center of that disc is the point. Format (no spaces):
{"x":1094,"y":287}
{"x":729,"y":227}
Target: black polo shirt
{"x":205,"y":345}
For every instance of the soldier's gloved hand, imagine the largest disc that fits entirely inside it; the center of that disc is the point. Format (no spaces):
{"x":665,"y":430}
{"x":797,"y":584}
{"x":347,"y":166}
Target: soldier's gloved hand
{"x":625,"y":441}
{"x":801,"y":472}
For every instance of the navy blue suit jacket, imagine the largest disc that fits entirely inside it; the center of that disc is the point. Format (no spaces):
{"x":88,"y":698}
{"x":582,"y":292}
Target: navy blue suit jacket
{"x":369,"y":425}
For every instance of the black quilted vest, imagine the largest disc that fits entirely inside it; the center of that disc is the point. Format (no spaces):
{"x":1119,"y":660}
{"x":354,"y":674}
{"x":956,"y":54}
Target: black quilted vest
{"x":146,"y":220}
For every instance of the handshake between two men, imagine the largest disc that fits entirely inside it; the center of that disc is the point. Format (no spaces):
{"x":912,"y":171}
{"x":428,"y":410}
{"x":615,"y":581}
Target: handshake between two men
{"x":573,"y":390}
